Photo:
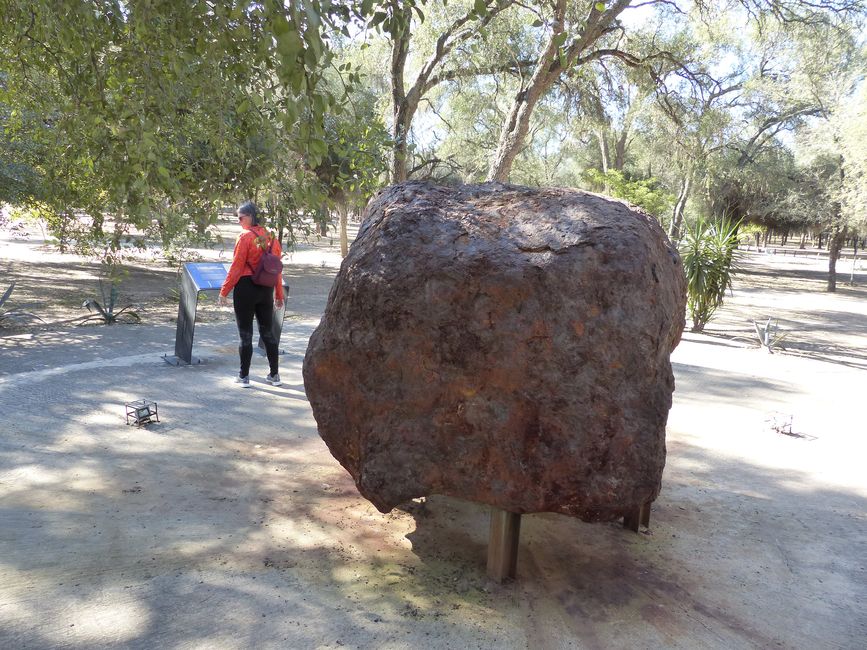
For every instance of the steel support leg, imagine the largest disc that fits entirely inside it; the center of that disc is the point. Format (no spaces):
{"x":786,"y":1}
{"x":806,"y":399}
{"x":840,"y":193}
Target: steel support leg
{"x":636,"y":517}
{"x":503,"y":544}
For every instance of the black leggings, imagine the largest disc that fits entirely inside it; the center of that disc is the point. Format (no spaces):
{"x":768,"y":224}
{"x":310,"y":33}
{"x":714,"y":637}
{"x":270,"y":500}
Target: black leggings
{"x":252,"y":299}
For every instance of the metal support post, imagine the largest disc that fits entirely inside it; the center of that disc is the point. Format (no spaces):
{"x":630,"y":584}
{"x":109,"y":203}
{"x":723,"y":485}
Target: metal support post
{"x":503,"y":544}
{"x":639,"y":516}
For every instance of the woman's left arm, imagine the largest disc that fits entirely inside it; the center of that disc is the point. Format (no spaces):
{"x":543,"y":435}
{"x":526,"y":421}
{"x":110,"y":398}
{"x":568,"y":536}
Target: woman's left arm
{"x":239,"y":263}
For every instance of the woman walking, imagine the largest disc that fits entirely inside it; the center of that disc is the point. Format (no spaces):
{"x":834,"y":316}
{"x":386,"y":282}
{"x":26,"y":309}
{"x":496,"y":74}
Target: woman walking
{"x":251,"y":299}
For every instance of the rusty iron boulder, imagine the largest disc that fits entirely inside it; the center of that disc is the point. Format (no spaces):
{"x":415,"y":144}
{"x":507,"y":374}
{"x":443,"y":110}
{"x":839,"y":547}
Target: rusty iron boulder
{"x":501,"y":344}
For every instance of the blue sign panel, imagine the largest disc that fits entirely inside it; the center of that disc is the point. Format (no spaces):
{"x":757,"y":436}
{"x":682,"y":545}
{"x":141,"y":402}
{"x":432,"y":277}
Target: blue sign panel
{"x":207,"y":275}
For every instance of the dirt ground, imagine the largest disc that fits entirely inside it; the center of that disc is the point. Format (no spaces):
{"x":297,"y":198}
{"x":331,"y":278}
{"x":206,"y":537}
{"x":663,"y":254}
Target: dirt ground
{"x":229,"y":525}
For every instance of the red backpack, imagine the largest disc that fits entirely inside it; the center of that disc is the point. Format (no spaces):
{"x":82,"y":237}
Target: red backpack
{"x":267,"y":273}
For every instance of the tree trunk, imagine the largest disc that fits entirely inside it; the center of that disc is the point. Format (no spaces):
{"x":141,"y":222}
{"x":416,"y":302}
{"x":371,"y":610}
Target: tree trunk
{"x":343,"y":211}
{"x":402,"y":120}
{"x":803,"y":243}
{"x":620,"y":149}
{"x":679,"y":207}
{"x":323,"y":222}
{"x":834,"y":246}
{"x":603,"y":150}
{"x":517,"y":126}
{"x":854,"y":260}
{"x":402,"y":116}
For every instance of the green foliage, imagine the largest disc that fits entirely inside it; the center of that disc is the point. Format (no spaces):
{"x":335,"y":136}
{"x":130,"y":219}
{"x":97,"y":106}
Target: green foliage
{"x":854,"y":148}
{"x":153,"y":112}
{"x":355,"y":160}
{"x":13,"y":315}
{"x":18,"y":177}
{"x":104,"y":312}
{"x":709,"y":253}
{"x":753,"y":189}
{"x":647,"y":194}
{"x":751,"y":232}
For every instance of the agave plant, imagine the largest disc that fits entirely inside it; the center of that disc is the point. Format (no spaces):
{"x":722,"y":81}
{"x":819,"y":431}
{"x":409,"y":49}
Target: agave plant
{"x":14,"y":314}
{"x":710,"y":255}
{"x":105,"y":312}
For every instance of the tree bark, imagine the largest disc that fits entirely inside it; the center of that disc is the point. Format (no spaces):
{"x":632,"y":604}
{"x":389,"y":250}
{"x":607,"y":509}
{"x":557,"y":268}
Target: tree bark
{"x":400,"y":110}
{"x":323,"y":222}
{"x":620,"y":148}
{"x":835,"y":245}
{"x":679,"y":208}
{"x":517,"y":125}
{"x":402,"y":121}
{"x":343,"y":211}
{"x":603,"y":149}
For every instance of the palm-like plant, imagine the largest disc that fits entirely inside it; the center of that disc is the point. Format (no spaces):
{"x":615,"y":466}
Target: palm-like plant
{"x":14,"y":314}
{"x":710,"y":255}
{"x":105,"y":311}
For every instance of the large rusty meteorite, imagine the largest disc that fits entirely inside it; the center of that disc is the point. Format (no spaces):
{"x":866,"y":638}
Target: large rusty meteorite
{"x":504,"y":345}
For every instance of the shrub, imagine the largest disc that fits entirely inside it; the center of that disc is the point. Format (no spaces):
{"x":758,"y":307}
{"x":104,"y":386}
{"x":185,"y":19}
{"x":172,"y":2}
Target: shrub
{"x":710,"y":255}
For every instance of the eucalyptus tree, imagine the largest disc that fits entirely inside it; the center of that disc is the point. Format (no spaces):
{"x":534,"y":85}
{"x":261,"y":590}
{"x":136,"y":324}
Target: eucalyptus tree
{"x":430,"y":43}
{"x":567,"y":35}
{"x":572,"y":34}
{"x":471,"y":102}
{"x":825,"y":168}
{"x":613,"y":101}
{"x":469,"y":113}
{"x":692,"y":116}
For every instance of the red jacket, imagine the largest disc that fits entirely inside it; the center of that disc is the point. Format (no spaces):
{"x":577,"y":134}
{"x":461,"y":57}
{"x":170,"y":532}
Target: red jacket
{"x":246,"y":259}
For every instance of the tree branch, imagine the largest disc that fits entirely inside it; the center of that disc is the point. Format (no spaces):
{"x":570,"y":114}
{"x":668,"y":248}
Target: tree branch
{"x":494,"y":68}
{"x":446,"y":42}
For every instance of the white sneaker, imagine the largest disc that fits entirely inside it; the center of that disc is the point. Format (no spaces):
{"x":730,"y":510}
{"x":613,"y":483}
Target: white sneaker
{"x":274,"y":379}
{"x":243,"y":382}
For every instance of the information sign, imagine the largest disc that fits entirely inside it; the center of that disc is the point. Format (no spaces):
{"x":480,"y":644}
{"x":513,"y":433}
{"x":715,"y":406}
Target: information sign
{"x":197,"y":277}
{"x":208,"y":275}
